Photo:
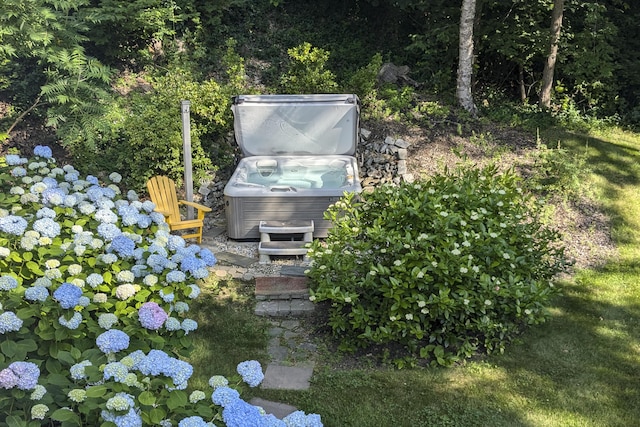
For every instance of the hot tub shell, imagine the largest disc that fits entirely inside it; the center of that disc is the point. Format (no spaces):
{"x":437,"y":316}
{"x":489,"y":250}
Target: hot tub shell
{"x":298,"y":159}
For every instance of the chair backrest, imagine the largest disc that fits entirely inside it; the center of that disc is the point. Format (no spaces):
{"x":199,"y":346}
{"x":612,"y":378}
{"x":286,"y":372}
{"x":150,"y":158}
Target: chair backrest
{"x":163,"y":194}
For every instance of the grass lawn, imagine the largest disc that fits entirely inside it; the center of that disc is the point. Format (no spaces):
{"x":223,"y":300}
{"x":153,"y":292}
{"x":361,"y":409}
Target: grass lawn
{"x":581,"y":368}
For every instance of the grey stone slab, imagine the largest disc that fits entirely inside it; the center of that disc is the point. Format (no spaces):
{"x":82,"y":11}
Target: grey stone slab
{"x":234,"y":259}
{"x":279,"y":377}
{"x":301,"y":307}
{"x":293,"y":270}
{"x":266,"y":308}
{"x":279,"y":410}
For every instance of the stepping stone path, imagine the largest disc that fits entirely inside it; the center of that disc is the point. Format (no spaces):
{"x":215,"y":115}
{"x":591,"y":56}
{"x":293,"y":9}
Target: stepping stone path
{"x":283,"y":299}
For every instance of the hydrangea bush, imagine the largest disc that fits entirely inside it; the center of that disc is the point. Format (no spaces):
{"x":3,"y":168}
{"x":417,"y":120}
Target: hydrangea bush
{"x":445,"y":266}
{"x":94,"y":309}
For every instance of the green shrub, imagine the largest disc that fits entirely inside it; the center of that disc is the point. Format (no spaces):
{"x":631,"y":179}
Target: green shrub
{"x":146,"y":136}
{"x":557,"y":170}
{"x":445,"y":267}
{"x":306,"y":71}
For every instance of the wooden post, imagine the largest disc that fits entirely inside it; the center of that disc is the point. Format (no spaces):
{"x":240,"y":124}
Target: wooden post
{"x":186,"y":146}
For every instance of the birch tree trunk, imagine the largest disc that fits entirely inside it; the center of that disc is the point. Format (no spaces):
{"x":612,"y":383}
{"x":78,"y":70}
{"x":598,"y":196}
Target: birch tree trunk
{"x":550,"y":65}
{"x":465,"y":57}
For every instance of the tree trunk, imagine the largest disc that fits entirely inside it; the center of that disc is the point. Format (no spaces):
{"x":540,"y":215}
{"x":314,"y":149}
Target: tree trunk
{"x":523,"y":89}
{"x":550,"y":65}
{"x":465,"y":57}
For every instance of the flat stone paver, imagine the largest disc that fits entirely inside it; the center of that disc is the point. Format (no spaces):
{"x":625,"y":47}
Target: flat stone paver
{"x":235,"y":259}
{"x":293,"y":270}
{"x":280,"y":410}
{"x":279,"y":377}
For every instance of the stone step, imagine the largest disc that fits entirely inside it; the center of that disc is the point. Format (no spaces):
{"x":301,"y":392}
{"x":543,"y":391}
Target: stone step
{"x":284,"y":308}
{"x":281,"y":288}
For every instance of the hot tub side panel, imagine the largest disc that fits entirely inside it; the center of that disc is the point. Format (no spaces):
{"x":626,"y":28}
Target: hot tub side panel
{"x":244,"y":213}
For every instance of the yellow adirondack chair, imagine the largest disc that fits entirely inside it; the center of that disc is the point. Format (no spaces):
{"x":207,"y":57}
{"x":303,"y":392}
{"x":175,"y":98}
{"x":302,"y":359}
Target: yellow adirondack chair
{"x":163,"y":194}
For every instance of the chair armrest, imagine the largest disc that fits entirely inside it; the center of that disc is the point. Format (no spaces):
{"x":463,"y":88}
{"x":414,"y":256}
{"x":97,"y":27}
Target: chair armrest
{"x":195,"y":205}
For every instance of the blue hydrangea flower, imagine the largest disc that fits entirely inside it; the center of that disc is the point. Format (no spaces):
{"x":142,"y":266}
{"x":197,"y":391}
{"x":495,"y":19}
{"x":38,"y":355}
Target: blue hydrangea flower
{"x":300,"y":419}
{"x":175,"y":276}
{"x":194,"y":421}
{"x":94,"y":280}
{"x":71,"y":177}
{"x":109,"y":258}
{"x":72,"y":323}
{"x":144,"y":221}
{"x":86,"y":208}
{"x":9,"y":322}
{"x":25,"y":375}
{"x":155,"y":363}
{"x":123,"y":246}
{"x":107,"y":320}
{"x":117,"y":404}
{"x":151,"y":315}
{"x":12,"y":224}
{"x":47,"y":227}
{"x":223,"y":396}
{"x":251,"y":372}
{"x":92,"y":180}
{"x":239,"y":413}
{"x":175,"y":242}
{"x":190,"y":264}
{"x":18,"y":171}
{"x":108,"y":231}
{"x":45,"y":213}
{"x":14,"y":159}
{"x":77,"y":370}
{"x":116,"y":370}
{"x":42,"y":151}
{"x":106,"y":216}
{"x":157,"y":262}
{"x":36,"y":293}
{"x":67,"y":295}
{"x":166,"y":297}
{"x":189,"y":325}
{"x":195,"y":291}
{"x":7,"y":282}
{"x":112,"y":341}
{"x":181,"y":307}
{"x":172,"y":324}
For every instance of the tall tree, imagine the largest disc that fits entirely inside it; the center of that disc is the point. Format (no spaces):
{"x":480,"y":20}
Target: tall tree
{"x":550,"y":65}
{"x":465,"y":57}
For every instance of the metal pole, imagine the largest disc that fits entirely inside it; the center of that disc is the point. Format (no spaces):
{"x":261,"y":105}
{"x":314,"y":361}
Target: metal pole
{"x":186,"y":145}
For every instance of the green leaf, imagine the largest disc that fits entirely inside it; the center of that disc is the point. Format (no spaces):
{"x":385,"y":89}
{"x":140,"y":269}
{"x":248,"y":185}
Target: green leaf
{"x":34,"y":267}
{"x":65,"y":415}
{"x":156,"y":415}
{"x":96,"y":391}
{"x":9,"y":348}
{"x":15,"y":421}
{"x":66,"y":357}
{"x":176,"y":400}
{"x":27,"y":256}
{"x":147,"y":398}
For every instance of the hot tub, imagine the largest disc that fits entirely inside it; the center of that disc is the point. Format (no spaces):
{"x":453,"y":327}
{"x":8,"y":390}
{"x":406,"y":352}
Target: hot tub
{"x":298,"y":160}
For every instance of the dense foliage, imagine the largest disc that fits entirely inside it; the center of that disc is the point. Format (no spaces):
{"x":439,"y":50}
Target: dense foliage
{"x":445,"y":267}
{"x":94,"y":309}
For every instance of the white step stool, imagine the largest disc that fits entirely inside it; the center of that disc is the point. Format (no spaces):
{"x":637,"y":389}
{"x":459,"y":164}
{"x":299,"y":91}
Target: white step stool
{"x":266,"y":247}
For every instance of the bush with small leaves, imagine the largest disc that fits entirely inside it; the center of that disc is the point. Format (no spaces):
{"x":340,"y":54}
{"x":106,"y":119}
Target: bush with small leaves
{"x":446,"y":267}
